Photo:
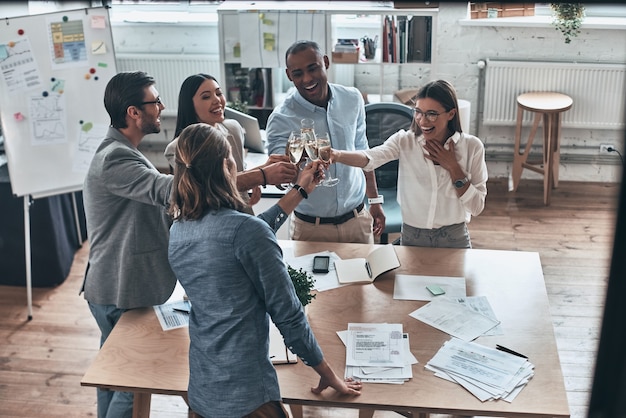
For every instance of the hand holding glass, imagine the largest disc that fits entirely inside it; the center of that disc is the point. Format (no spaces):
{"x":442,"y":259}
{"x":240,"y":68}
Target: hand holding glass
{"x":324,"y":153}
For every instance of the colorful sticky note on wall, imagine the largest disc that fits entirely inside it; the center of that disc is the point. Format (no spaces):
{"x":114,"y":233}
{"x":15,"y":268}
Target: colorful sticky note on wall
{"x":98,"y":47}
{"x":57,"y":86}
{"x":87,"y":127}
{"x":269,"y":41}
{"x":98,"y":22}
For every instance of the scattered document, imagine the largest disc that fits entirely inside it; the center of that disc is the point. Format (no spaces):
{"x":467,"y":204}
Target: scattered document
{"x":173,"y":315}
{"x":487,"y":373}
{"x":454,"y":318}
{"x":481,"y":305}
{"x":377,"y":353}
{"x":375,"y":345}
{"x":366,"y":270}
{"x":411,"y":287}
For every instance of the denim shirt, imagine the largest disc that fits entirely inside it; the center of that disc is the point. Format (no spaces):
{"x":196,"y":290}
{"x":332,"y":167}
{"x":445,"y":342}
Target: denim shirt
{"x":344,"y":121}
{"x":233,"y":272}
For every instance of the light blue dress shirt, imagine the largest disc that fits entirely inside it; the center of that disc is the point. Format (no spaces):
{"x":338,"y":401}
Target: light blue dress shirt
{"x":344,"y":121}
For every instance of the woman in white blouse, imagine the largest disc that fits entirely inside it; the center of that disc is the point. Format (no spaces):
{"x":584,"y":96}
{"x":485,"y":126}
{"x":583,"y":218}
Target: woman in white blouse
{"x":442,"y":174}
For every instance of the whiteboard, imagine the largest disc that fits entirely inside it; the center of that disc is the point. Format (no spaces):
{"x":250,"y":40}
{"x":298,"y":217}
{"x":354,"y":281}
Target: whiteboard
{"x":54,"y":68}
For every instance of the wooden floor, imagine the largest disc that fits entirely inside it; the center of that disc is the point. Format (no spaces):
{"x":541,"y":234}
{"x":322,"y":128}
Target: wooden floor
{"x":42,"y":361}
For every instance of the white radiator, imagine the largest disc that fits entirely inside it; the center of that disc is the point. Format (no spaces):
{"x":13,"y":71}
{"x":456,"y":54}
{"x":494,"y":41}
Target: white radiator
{"x":596,"y":89}
{"x":170,"y":71}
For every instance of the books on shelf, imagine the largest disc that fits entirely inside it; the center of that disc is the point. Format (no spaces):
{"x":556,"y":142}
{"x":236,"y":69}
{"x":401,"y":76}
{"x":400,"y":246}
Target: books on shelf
{"x":407,"y":38}
{"x":366,"y":270}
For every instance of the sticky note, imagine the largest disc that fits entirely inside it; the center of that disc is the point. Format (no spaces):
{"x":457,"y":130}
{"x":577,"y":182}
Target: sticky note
{"x":435,"y":290}
{"x":98,"y":22}
{"x":98,"y":47}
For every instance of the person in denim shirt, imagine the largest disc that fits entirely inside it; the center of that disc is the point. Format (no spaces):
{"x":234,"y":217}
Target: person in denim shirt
{"x":232,"y":269}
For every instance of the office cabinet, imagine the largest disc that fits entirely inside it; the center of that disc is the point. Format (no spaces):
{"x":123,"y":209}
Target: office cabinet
{"x":403,"y":40}
{"x":256,"y":35}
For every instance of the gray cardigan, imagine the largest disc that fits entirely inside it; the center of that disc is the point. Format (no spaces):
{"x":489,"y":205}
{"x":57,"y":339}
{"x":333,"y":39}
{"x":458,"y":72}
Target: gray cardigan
{"x":125,"y":200}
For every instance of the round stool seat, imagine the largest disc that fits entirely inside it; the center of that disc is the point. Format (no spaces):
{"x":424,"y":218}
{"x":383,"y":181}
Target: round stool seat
{"x":545,"y":102}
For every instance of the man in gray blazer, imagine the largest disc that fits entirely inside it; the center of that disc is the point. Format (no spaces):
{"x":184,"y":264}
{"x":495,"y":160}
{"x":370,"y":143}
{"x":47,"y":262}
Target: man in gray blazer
{"x":125,"y":200}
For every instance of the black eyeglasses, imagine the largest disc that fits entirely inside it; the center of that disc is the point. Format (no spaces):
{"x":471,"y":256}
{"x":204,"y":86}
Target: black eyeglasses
{"x":157,"y":102}
{"x":430,"y":115}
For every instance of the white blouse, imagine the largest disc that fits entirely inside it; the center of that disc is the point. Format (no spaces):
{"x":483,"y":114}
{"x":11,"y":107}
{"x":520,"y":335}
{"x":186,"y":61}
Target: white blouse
{"x":426,"y":194}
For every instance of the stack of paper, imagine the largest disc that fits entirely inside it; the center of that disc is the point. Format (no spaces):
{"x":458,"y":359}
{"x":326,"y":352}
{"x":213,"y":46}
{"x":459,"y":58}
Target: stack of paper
{"x":377,"y":353}
{"x":487,"y":373}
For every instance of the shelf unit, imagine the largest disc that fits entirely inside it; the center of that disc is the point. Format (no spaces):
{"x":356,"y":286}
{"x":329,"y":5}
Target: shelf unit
{"x":256,"y":34}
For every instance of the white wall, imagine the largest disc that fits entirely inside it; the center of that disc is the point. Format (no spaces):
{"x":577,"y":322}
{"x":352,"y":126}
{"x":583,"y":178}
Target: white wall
{"x":456,"y":50}
{"x":460,"y":47}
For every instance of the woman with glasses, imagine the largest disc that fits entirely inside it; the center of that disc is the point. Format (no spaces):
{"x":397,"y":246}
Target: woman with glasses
{"x":442,"y":174}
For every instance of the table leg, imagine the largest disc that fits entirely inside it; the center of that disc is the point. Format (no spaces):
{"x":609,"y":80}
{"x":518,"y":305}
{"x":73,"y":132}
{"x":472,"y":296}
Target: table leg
{"x":557,"y":149}
{"x":296,"y":410}
{"x":518,"y":159}
{"x":366,"y":413}
{"x":141,"y":405}
{"x":547,"y":159}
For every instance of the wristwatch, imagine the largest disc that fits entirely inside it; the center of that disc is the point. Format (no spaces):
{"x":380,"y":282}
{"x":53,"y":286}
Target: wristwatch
{"x":376,"y":200}
{"x":461,"y":182}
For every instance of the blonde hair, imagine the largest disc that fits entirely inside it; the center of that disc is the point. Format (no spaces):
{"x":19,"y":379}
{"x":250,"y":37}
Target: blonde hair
{"x":200,"y":181}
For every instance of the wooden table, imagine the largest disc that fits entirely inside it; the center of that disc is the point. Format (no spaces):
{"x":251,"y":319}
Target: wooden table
{"x":139,"y":357}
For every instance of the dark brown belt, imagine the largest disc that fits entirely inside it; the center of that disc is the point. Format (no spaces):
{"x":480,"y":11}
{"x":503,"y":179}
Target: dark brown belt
{"x":335,"y":220}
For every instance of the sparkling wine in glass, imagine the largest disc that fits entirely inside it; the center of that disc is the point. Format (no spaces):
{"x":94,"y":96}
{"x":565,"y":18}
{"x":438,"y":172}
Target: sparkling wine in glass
{"x":307,"y":130}
{"x":296,"y":147}
{"x":310,"y":145}
{"x":323,"y":151}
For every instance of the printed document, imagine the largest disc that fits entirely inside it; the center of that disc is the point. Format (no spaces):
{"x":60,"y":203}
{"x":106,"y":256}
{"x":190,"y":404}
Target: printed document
{"x":454,"y":318}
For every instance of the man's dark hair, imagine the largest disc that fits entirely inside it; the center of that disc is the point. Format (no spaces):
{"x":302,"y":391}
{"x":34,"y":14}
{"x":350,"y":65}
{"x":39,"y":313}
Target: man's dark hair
{"x":123,"y":90}
{"x":300,"y":46}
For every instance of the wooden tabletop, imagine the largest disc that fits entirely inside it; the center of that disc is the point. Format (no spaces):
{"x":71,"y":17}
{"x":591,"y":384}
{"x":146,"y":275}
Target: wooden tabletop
{"x":140,"y":357}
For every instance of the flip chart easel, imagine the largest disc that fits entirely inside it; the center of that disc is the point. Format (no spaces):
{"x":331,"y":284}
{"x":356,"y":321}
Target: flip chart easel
{"x":54,"y":68}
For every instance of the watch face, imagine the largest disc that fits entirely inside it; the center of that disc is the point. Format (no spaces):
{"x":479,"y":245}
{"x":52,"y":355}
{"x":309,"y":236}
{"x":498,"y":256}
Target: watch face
{"x":460,"y":183}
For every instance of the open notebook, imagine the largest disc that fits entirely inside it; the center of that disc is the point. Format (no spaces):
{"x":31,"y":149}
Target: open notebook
{"x":366,"y":270}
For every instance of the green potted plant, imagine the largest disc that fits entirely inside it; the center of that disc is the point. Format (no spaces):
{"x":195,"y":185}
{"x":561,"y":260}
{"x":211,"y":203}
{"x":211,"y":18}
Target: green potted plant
{"x":238,"y":105}
{"x":303,"y":282}
{"x":567,"y":18}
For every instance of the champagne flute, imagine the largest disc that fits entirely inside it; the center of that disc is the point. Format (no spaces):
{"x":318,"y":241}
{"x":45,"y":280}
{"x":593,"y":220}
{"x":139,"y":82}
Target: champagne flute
{"x":323,"y":152}
{"x":295,"y":147}
{"x":310,"y":146}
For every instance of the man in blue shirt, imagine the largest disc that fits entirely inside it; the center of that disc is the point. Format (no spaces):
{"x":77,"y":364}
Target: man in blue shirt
{"x":336,"y":213}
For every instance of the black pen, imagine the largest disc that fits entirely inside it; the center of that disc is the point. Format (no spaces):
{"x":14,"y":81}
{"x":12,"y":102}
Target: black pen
{"x":508,"y":350}
{"x":369,"y":269}
{"x":181,"y":310}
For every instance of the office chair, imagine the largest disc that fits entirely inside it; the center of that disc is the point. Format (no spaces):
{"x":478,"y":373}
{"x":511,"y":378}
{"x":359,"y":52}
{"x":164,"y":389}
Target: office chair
{"x":383,"y":120}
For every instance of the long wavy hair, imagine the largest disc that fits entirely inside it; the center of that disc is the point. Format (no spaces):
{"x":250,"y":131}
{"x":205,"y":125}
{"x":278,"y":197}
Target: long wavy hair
{"x":186,"y":110}
{"x":444,"y":93}
{"x":202,"y":181}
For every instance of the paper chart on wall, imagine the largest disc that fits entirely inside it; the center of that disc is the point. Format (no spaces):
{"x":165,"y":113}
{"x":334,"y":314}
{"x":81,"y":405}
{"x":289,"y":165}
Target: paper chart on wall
{"x":19,"y":66}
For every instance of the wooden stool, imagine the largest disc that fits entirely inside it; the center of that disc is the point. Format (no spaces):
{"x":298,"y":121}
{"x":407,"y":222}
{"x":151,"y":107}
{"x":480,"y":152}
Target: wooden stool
{"x":547,"y":106}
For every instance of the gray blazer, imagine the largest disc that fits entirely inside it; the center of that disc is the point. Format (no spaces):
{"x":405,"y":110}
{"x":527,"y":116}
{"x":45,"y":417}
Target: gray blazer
{"x":125,"y":200}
